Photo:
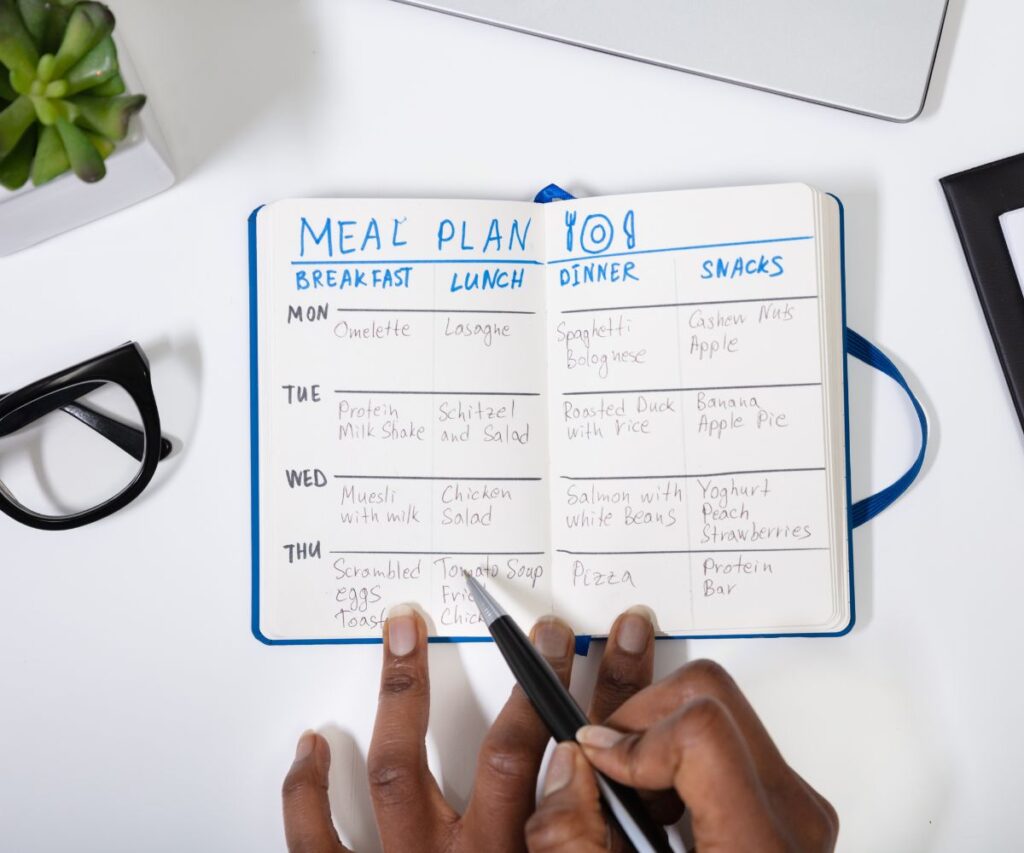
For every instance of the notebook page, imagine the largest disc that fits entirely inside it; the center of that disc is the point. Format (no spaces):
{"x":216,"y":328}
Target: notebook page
{"x":402,"y":415}
{"x":688,"y":421}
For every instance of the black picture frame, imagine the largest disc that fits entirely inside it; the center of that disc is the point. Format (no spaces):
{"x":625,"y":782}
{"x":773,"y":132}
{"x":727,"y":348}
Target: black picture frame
{"x":125,"y":366}
{"x":977,"y":198}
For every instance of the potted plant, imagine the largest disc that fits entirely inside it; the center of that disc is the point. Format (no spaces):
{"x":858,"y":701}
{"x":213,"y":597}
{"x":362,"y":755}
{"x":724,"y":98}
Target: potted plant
{"x":67,"y":101}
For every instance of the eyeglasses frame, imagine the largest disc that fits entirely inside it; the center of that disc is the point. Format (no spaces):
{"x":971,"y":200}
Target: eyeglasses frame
{"x":125,"y":366}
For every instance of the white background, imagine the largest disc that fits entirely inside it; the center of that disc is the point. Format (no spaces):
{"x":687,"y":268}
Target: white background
{"x":138,"y":713}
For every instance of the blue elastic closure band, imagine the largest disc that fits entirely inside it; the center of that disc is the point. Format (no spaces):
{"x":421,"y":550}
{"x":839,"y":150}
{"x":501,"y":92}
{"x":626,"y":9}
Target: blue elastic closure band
{"x":864,"y":510}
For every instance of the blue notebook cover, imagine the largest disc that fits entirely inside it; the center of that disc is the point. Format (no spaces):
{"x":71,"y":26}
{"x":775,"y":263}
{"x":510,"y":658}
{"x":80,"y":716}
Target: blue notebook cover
{"x":552,"y":194}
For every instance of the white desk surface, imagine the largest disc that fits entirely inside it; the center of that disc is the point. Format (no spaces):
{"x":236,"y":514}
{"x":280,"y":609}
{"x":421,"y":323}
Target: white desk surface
{"x":138,"y":713}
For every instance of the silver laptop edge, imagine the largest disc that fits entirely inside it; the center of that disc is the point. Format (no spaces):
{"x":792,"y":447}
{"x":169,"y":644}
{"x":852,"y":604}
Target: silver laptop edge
{"x":863,"y":56}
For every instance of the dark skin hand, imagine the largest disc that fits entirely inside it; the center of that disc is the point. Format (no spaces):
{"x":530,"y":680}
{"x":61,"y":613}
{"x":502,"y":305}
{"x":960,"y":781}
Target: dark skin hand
{"x":741,"y":793}
{"x":694,"y":738}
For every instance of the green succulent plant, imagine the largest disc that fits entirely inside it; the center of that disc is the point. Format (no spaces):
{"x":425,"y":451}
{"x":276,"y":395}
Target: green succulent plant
{"x":62,"y":100}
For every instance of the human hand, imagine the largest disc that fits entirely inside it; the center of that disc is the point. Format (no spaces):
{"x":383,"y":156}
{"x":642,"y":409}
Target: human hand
{"x":411,"y":811}
{"x":695,"y":737}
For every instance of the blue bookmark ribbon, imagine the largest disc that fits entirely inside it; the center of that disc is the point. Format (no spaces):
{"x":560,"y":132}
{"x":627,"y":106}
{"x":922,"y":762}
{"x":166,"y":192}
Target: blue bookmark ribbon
{"x":552,"y":192}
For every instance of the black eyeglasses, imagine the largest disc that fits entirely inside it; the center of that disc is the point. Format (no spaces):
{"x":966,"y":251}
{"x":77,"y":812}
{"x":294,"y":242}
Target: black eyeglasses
{"x":54,"y":475}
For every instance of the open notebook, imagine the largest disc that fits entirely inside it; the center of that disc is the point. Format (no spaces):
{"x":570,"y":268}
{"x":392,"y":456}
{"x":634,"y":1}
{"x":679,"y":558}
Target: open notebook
{"x":587,"y":404}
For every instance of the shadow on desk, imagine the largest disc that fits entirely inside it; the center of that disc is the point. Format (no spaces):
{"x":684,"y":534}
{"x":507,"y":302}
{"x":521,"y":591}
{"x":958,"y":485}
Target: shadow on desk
{"x":212,"y":69}
{"x":943,"y":58}
{"x":349,"y":792}
{"x":176,"y":363}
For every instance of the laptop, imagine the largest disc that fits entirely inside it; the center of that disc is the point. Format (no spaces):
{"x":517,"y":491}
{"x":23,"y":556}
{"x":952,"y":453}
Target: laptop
{"x":868,"y":56}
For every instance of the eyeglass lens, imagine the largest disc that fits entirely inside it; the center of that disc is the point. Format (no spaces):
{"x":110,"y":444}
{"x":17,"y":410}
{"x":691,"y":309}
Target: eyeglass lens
{"x":57,"y":466}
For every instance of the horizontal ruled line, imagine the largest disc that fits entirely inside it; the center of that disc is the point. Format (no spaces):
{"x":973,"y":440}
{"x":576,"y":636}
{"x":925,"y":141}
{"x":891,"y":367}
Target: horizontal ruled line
{"x":694,"y":388}
{"x":443,"y":393}
{"x":412,"y":261}
{"x":689,"y":304}
{"x":688,"y":551}
{"x":681,"y":249}
{"x":452,"y":553}
{"x":408,"y":477}
{"x":525,"y":261}
{"x":429,"y":311}
{"x":693,"y":476}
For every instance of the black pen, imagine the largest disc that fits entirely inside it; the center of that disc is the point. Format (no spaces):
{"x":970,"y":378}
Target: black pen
{"x":563,"y":717}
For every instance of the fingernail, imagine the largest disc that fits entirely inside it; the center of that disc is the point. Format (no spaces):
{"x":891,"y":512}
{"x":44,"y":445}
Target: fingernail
{"x":634,"y":631}
{"x":552,"y":637}
{"x":598,"y":737}
{"x":305,"y":745}
{"x":403,"y":632}
{"x":560,"y":769}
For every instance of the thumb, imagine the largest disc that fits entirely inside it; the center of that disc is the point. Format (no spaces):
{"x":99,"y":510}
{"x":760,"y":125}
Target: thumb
{"x":308,"y":827}
{"x":568,"y":818}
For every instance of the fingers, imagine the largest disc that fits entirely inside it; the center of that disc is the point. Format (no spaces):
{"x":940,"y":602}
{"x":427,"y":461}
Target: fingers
{"x":626,"y":665}
{"x":568,"y":818}
{"x":307,"y":812}
{"x":701,"y":753}
{"x":405,"y":795}
{"x":664,"y":807}
{"x":701,"y":678}
{"x":626,"y":668}
{"x":706,"y":679}
{"x":506,"y":775}
{"x":811,"y":818}
{"x":820,"y":824}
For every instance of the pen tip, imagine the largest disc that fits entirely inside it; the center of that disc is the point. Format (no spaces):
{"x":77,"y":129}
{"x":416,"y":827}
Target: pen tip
{"x":489,"y":608}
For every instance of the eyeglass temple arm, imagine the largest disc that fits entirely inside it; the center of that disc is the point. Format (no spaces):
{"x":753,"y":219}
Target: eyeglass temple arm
{"x":131,"y":440}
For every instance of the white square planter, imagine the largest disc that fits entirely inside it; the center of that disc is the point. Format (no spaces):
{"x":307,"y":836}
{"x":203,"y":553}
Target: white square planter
{"x":137,"y":169}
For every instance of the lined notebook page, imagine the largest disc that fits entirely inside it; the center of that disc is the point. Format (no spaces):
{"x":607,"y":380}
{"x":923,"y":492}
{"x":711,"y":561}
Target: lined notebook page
{"x":586,"y":405}
{"x":688,"y":429}
{"x":403,"y":413}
